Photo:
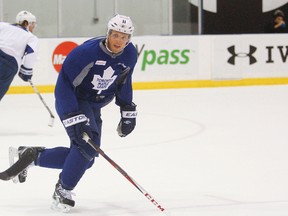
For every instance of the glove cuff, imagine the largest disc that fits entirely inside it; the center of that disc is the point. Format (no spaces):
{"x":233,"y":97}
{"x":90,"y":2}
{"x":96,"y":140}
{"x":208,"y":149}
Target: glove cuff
{"x":26,"y":71}
{"x":129,"y":111}
{"x":129,"y":114}
{"x":74,"y":120}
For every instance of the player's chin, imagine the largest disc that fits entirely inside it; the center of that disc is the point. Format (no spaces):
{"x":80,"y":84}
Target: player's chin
{"x":117,"y":50}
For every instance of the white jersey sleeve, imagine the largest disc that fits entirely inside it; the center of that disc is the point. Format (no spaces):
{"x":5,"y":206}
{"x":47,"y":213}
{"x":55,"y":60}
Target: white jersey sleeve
{"x":30,"y":57}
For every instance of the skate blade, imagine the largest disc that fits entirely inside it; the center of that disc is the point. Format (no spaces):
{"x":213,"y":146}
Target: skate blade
{"x":13,"y":157}
{"x":59,"y":207}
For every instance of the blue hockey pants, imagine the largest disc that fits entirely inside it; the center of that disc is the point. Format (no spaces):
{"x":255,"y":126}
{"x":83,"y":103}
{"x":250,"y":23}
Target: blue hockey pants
{"x":8,"y":69}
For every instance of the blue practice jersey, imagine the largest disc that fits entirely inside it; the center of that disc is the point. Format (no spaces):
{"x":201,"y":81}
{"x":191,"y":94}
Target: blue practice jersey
{"x":90,"y":72}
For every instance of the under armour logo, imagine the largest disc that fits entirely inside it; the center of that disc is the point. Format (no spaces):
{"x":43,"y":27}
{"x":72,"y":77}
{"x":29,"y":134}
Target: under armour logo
{"x":252,"y":59}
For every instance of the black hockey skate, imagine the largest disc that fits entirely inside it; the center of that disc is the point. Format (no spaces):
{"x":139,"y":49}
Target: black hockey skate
{"x":21,"y":155}
{"x":62,"y":199}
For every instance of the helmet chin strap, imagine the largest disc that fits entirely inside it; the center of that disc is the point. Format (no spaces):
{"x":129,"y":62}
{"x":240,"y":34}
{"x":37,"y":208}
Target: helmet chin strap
{"x":106,"y":44}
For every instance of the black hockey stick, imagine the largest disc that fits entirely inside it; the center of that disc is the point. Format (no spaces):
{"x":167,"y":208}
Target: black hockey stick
{"x":51,"y":121}
{"x":129,"y":178}
{"x":26,"y":159}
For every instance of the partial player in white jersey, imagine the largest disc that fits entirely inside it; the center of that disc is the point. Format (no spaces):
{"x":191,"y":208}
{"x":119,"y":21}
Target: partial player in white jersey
{"x":18,"y":50}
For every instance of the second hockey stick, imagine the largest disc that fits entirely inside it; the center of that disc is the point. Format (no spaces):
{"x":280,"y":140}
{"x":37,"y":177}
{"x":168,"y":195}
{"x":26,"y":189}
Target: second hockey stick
{"x":27,"y":158}
{"x":51,"y":121}
{"x":129,"y":178}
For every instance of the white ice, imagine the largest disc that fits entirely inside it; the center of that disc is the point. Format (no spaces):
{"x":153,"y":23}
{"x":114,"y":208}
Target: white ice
{"x":198,"y":152}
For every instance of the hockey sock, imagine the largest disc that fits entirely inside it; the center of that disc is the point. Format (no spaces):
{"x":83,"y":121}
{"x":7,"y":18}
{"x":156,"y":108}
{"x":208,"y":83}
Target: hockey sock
{"x":74,"y":168}
{"x":52,"y":158}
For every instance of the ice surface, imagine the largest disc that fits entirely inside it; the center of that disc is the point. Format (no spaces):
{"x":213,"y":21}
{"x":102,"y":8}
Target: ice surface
{"x":202,"y":152}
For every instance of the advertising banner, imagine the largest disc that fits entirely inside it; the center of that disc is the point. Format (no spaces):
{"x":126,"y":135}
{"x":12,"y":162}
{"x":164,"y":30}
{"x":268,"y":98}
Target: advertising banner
{"x":166,"y":58}
{"x":204,"y":59}
{"x":249,"y":56}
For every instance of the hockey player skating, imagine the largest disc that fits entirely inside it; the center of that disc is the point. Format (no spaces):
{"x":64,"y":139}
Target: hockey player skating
{"x":17,"y":41}
{"x":92,"y":75}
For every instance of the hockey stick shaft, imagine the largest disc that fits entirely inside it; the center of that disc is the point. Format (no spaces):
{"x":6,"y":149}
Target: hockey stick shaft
{"x":41,"y":98}
{"x":116,"y":166}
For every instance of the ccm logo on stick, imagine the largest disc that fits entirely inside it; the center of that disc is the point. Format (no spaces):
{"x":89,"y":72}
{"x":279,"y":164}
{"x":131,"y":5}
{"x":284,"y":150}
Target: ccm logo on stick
{"x":154,"y":202}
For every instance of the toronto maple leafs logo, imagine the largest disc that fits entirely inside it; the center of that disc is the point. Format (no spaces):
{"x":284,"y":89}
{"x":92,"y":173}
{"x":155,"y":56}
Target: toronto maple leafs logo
{"x":103,"y":83}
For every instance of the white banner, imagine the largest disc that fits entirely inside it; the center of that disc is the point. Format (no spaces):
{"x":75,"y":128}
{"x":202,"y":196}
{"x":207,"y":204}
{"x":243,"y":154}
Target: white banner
{"x":169,"y":58}
{"x":163,"y":58}
{"x":250,"y":56}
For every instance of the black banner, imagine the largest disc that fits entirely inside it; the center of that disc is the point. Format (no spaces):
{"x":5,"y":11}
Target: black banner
{"x":238,"y":17}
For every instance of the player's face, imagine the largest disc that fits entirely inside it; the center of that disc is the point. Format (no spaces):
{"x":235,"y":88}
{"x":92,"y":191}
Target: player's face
{"x":31,"y":27}
{"x":279,"y":19}
{"x":117,"y":41}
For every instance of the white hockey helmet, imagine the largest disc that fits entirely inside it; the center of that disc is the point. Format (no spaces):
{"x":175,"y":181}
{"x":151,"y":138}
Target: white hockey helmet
{"x":25,"y":15}
{"x":121,"y":23}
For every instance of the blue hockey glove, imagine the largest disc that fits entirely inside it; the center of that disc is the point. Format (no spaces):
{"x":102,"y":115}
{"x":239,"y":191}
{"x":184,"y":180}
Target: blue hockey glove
{"x":128,"y":120}
{"x":25,"y":73}
{"x":76,"y":124}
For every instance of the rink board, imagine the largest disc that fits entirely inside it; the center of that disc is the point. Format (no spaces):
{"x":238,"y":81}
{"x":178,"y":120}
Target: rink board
{"x":180,"y":61}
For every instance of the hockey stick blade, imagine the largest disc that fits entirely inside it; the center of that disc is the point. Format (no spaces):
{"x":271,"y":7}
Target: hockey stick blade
{"x":26,"y":159}
{"x":87,"y":139}
{"x":51,"y":121}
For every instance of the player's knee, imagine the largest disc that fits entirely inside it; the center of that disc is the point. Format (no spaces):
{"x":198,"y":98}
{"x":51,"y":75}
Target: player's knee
{"x":87,"y":151}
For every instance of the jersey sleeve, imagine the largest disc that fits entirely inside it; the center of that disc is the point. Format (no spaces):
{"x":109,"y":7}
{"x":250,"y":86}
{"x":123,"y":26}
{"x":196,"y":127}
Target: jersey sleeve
{"x":124,"y":94}
{"x":66,"y":99}
{"x":31,"y":52}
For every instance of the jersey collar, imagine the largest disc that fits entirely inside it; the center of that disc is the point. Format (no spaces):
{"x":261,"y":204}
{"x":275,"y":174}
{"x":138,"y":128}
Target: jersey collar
{"x":19,"y":26}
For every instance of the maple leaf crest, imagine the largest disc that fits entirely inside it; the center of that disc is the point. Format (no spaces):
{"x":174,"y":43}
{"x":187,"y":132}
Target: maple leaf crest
{"x":103,"y":83}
